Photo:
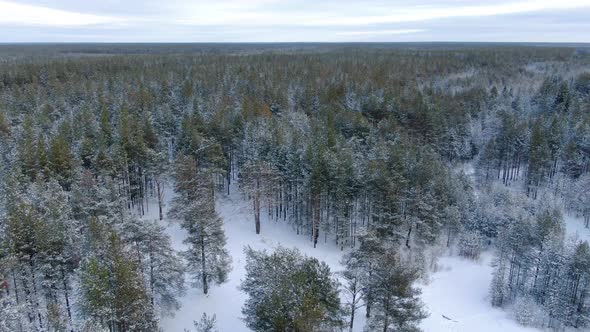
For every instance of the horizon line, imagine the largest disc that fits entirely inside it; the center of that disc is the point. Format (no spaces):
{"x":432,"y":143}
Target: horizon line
{"x":287,"y":42}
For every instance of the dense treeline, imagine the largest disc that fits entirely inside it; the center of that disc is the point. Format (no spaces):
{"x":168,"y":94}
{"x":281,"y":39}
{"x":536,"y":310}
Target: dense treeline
{"x":360,"y":147}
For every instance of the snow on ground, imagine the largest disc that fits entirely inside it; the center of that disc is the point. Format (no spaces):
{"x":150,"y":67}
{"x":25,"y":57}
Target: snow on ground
{"x":457,"y":294}
{"x":459,"y":291}
{"x":226,"y":300}
{"x":574,"y":226}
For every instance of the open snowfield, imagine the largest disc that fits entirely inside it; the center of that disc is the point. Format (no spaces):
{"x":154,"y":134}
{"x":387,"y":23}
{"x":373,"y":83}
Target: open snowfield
{"x":458,"y":290}
{"x":575,"y":227}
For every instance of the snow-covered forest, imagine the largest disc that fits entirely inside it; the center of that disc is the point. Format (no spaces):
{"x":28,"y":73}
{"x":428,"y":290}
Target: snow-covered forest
{"x":294,"y":187}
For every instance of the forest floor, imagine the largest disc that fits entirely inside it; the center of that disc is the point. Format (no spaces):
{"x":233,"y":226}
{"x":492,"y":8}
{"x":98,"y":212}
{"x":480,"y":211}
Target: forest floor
{"x":226,"y":300}
{"x":456,"y":295}
{"x":574,"y":227}
{"x":457,"y":298}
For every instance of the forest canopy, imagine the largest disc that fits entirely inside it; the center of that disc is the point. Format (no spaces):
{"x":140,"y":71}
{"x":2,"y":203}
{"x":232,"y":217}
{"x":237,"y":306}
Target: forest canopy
{"x":365,"y":147}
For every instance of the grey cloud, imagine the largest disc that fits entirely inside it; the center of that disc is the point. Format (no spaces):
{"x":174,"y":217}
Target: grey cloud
{"x":331,"y":20}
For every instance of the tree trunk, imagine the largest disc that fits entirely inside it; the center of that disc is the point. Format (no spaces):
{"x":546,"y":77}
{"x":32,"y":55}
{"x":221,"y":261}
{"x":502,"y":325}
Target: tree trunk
{"x":408,"y":236}
{"x":160,"y":197}
{"x":449,"y":237}
{"x":203,"y":267}
{"x":352,"y":310}
{"x":15,"y":287}
{"x":67,"y":296}
{"x":36,"y":301}
{"x":316,"y":218}
{"x":151,"y":276}
{"x":257,"y":211}
{"x":386,"y":318}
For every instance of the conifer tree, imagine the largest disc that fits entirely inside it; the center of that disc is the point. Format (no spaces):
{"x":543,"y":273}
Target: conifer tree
{"x":161,"y":265}
{"x":289,"y":292}
{"x":61,"y":160}
{"x":353,"y":279}
{"x":112,"y":290}
{"x":208,"y":259}
{"x":395,"y":300}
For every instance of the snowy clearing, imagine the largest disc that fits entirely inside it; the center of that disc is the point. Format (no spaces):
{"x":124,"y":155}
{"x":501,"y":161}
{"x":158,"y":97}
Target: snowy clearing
{"x":574,"y":226}
{"x":456,"y":296}
{"x":226,"y":300}
{"x":457,"y":299}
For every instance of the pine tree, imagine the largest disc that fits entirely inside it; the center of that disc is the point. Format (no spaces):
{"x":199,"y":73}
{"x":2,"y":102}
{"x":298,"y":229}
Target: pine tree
{"x":396,"y":305}
{"x":258,"y":174}
{"x":22,"y":225}
{"x":61,"y":160}
{"x":452,"y":222}
{"x":42,"y":159}
{"x":161,"y":265}
{"x":27,"y":150}
{"x":95,"y":197}
{"x":538,"y":160}
{"x":208,"y":259}
{"x":105,"y":126}
{"x":579,"y":274}
{"x":4,"y":125}
{"x":257,"y":179}
{"x":58,"y":256}
{"x":112,"y":291}
{"x":353,"y":275}
{"x":289,"y":292}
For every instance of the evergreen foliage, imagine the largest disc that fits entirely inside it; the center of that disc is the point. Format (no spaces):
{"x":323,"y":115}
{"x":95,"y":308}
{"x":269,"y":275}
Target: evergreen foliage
{"x":289,"y":292}
{"x":388,"y":152}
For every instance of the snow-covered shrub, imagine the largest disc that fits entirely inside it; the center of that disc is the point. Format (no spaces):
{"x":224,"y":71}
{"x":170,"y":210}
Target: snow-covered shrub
{"x":527,"y":312}
{"x":206,"y":324}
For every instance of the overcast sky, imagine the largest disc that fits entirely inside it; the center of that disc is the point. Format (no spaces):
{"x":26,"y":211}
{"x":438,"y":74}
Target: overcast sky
{"x":294,"y":21}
